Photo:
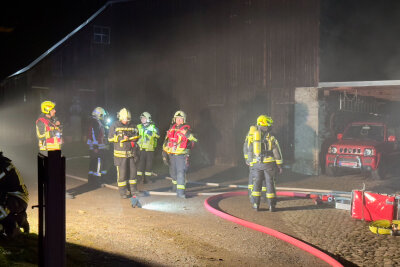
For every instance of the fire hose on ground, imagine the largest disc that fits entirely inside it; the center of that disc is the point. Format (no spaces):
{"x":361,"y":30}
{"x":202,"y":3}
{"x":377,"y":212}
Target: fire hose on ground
{"x":267,"y":230}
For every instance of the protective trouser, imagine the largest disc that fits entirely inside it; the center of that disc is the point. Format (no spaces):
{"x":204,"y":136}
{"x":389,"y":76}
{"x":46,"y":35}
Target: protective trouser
{"x":145,"y":165}
{"x":126,"y":174}
{"x":264,"y":172}
{"x":177,"y":171}
{"x":13,"y":215}
{"x":251,"y":181}
{"x":97,"y":167}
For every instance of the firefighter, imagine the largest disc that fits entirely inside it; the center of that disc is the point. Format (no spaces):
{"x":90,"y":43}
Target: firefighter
{"x":124,"y":135}
{"x":97,"y":141}
{"x":14,"y":199}
{"x":49,"y":131}
{"x":248,"y":140}
{"x":264,"y":157}
{"x":176,"y":151}
{"x":48,"y":128}
{"x":149,"y":134}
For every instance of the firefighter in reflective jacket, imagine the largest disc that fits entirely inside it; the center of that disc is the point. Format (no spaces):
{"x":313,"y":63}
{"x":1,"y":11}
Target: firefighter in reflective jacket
{"x":14,"y":199}
{"x":176,"y":150}
{"x":48,"y":128}
{"x":149,"y":134}
{"x":124,"y":135}
{"x":98,"y":145}
{"x":264,"y":157}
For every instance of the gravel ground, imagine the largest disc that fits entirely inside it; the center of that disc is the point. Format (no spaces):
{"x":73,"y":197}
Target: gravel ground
{"x":173,"y":232}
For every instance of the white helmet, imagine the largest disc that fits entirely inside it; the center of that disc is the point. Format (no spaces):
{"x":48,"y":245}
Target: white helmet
{"x":124,"y":115}
{"x":181,"y":114}
{"x":99,"y":113}
{"x":146,"y":115}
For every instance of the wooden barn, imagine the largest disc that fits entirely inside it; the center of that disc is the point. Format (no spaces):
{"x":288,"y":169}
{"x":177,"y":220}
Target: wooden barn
{"x":222,"y":62}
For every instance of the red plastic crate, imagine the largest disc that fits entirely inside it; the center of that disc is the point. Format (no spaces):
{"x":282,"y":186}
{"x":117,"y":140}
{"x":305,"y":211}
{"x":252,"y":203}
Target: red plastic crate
{"x":372,"y":206}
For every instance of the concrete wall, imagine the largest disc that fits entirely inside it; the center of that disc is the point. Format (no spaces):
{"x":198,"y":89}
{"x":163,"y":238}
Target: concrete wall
{"x":309,"y":130}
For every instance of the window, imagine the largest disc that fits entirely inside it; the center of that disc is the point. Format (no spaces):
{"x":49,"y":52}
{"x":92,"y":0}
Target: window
{"x":101,"y":35}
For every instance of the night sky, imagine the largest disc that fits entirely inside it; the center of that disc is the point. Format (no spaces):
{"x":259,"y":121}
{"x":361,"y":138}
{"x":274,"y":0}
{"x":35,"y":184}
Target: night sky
{"x":359,"y":38}
{"x":29,"y":28}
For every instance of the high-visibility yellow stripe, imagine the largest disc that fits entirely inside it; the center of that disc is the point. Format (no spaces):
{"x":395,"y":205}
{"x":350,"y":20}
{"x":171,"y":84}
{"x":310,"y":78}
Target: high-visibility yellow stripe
{"x":256,"y":194}
{"x":264,"y":189}
{"x":120,"y":184}
{"x":147,"y":173}
{"x":270,"y":195}
{"x":174,"y":182}
{"x":132,"y":181}
{"x":250,"y":186}
{"x":180,"y":186}
{"x":139,"y":173}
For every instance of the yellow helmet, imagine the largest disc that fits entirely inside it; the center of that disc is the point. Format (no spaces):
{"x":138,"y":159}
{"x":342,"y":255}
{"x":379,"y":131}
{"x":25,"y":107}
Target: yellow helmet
{"x":180,"y":114}
{"x":264,"y":120}
{"x":46,"y":106}
{"x":124,"y":115}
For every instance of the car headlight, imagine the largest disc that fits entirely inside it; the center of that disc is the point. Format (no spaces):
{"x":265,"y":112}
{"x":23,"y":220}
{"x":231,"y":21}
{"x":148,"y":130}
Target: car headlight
{"x":368,"y":152}
{"x":333,"y":150}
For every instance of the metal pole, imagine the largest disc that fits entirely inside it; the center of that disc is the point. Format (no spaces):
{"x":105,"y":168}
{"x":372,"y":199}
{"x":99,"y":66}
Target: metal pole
{"x":55,"y":211}
{"x":42,"y":162}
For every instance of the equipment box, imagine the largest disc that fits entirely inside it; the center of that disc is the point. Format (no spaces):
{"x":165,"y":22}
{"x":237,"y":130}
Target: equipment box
{"x":370,"y":206}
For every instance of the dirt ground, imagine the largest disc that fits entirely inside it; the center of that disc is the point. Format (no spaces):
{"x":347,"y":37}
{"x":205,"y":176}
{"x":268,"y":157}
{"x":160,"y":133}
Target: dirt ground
{"x":169,"y":231}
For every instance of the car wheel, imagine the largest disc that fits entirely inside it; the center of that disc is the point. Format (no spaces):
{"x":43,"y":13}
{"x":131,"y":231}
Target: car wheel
{"x":332,"y":171}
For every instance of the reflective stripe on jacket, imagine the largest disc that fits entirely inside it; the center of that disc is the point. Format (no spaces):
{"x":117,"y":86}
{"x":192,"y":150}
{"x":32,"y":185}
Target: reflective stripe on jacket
{"x":96,"y":135}
{"x":148,"y":137}
{"x":270,"y":150}
{"x":48,"y":133}
{"x":123,"y":148}
{"x":177,"y":140}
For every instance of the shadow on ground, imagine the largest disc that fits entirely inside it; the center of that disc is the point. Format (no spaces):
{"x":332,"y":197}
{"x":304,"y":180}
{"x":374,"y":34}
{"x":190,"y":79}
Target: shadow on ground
{"x":23,"y":251}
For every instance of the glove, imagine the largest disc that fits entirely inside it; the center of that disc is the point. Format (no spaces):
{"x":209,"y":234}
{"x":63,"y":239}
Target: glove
{"x":280,"y":170}
{"x":165,"y":158}
{"x":187,"y":161}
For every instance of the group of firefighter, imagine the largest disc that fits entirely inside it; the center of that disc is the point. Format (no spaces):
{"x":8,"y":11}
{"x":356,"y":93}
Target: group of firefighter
{"x":134,"y":147}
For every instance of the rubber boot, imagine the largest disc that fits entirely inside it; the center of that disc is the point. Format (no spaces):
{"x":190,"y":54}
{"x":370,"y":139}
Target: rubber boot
{"x":180,"y":193}
{"x":123,"y":192}
{"x":134,"y":189}
{"x":272,"y":204}
{"x":256,"y":203}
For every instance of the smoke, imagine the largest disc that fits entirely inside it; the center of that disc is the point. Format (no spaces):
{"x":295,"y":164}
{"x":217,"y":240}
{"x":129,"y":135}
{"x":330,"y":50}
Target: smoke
{"x":359,"y":40}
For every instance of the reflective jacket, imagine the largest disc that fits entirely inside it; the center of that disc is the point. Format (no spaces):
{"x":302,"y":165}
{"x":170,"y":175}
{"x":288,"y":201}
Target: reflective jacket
{"x":11,"y":183}
{"x":123,"y":148}
{"x":179,"y":140}
{"x":148,"y":136}
{"x":270,"y":151}
{"x":48,"y":133}
{"x":96,"y":135}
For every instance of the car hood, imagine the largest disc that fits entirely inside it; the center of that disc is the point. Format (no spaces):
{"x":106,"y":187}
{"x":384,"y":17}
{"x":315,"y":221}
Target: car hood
{"x":354,"y":142}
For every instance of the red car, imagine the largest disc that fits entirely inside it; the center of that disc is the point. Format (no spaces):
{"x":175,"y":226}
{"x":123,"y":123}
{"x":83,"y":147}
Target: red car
{"x":364,"y":146}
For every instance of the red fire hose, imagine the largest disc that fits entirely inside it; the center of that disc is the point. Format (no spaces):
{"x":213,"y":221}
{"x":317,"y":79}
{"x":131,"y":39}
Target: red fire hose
{"x":267,"y":230}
